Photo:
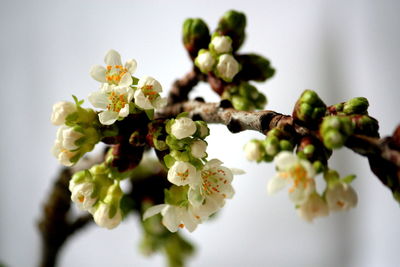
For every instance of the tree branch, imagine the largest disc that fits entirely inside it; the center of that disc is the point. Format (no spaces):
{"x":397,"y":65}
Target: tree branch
{"x":383,"y":153}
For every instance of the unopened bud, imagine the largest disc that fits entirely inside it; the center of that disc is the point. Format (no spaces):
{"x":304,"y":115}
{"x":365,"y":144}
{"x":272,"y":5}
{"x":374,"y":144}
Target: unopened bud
{"x":358,"y":105}
{"x":196,"y":36}
{"x":233,"y":24}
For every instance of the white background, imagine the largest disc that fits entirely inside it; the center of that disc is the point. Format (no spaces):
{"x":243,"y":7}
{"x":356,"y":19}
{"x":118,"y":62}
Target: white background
{"x":341,"y":49}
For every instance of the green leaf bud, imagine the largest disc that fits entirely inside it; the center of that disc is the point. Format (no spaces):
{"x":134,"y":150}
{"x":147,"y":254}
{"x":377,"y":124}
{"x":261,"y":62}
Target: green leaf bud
{"x":358,"y":105}
{"x":254,"y":67}
{"x":241,"y":103}
{"x":196,"y":36}
{"x":233,"y":24}
{"x":285,"y":145}
{"x":309,"y":108}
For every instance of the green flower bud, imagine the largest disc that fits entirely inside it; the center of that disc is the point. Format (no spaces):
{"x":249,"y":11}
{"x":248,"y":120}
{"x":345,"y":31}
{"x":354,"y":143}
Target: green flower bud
{"x":333,"y":139}
{"x":358,"y":105}
{"x":180,"y":156}
{"x":196,"y":36}
{"x":285,"y":145}
{"x":318,"y":166}
{"x":254,"y":67}
{"x":272,"y":146}
{"x":241,"y":103}
{"x":233,"y":24}
{"x":309,"y":150}
{"x":261,"y":101}
{"x":176,"y":195}
{"x":309,"y":108}
{"x":202,"y":129}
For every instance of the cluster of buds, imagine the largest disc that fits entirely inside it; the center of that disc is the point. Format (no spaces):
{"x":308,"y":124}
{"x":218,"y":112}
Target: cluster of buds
{"x":95,"y":191}
{"x":218,"y":58}
{"x":276,"y":140}
{"x":245,"y":97}
{"x":300,"y":174}
{"x":199,"y":187}
{"x":78,"y":132}
{"x":309,"y":109}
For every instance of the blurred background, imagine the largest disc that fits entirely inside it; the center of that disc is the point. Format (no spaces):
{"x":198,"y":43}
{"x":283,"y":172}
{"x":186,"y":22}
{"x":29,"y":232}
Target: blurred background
{"x":341,"y":49}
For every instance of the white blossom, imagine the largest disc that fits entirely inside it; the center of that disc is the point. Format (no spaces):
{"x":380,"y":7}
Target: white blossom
{"x":114,"y":72}
{"x":114,"y":100}
{"x":209,"y":195}
{"x":174,"y":217}
{"x":341,"y":196}
{"x":221,"y":44}
{"x":102,"y":216}
{"x":313,"y":207}
{"x":295,"y":171}
{"x":183,"y":127}
{"x":147,"y":94}
{"x":81,"y":194}
{"x":65,"y":144}
{"x":205,"y":61}
{"x":182,"y":173}
{"x":253,"y":151}
{"x":60,"y":111}
{"x":198,"y":148}
{"x":227,"y":67}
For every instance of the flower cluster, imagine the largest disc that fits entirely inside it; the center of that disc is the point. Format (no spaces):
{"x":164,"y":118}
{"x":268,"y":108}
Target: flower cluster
{"x":200,"y":187}
{"x":245,"y":97}
{"x":120,"y":93}
{"x":218,"y":58}
{"x":300,"y":174}
{"x":95,"y":191}
{"x":265,"y":150}
{"x":78,"y":132}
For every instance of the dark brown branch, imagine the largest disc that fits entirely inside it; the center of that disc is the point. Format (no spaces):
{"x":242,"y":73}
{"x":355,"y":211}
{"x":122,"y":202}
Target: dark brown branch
{"x":182,"y":87}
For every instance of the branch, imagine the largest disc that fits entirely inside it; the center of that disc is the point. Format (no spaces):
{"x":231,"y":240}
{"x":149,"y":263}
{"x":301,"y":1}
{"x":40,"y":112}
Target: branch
{"x":181,"y":88}
{"x":383,"y":154}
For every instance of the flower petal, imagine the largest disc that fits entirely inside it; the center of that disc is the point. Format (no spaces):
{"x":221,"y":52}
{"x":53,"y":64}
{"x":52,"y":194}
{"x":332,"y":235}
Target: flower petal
{"x":113,"y":58}
{"x":195,"y":197}
{"x":153,"y":211}
{"x":131,"y":66}
{"x":108,"y":117}
{"x":124,"y":111}
{"x":141,"y":100}
{"x":98,"y":73}
{"x":126,"y":80}
{"x":170,"y":218}
{"x":276,"y":184}
{"x":285,"y":160}
{"x":98,"y":99}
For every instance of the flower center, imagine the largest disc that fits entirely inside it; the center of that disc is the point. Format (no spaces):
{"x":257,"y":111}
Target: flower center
{"x":149,"y":92}
{"x":116,"y":101}
{"x":183,"y":175}
{"x":212,"y":182}
{"x":115,"y":73}
{"x":299,"y":176}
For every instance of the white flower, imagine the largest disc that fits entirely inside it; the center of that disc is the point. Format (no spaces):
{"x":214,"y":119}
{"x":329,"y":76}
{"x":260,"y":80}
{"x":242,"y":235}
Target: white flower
{"x":292,"y":169}
{"x":147,"y":94}
{"x":227,"y":67}
{"x":182,"y":173}
{"x":174,"y":217}
{"x":69,"y":137}
{"x":221,"y":44}
{"x":341,"y":197}
{"x":253,"y":151}
{"x":183,"y":127}
{"x":114,"y":73}
{"x":314,"y":207}
{"x":198,"y":148}
{"x":102,"y":216}
{"x":205,"y":61}
{"x":60,"y":111}
{"x":215,"y":186}
{"x":81,"y":194}
{"x":114,"y":99}
{"x":64,"y":144}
